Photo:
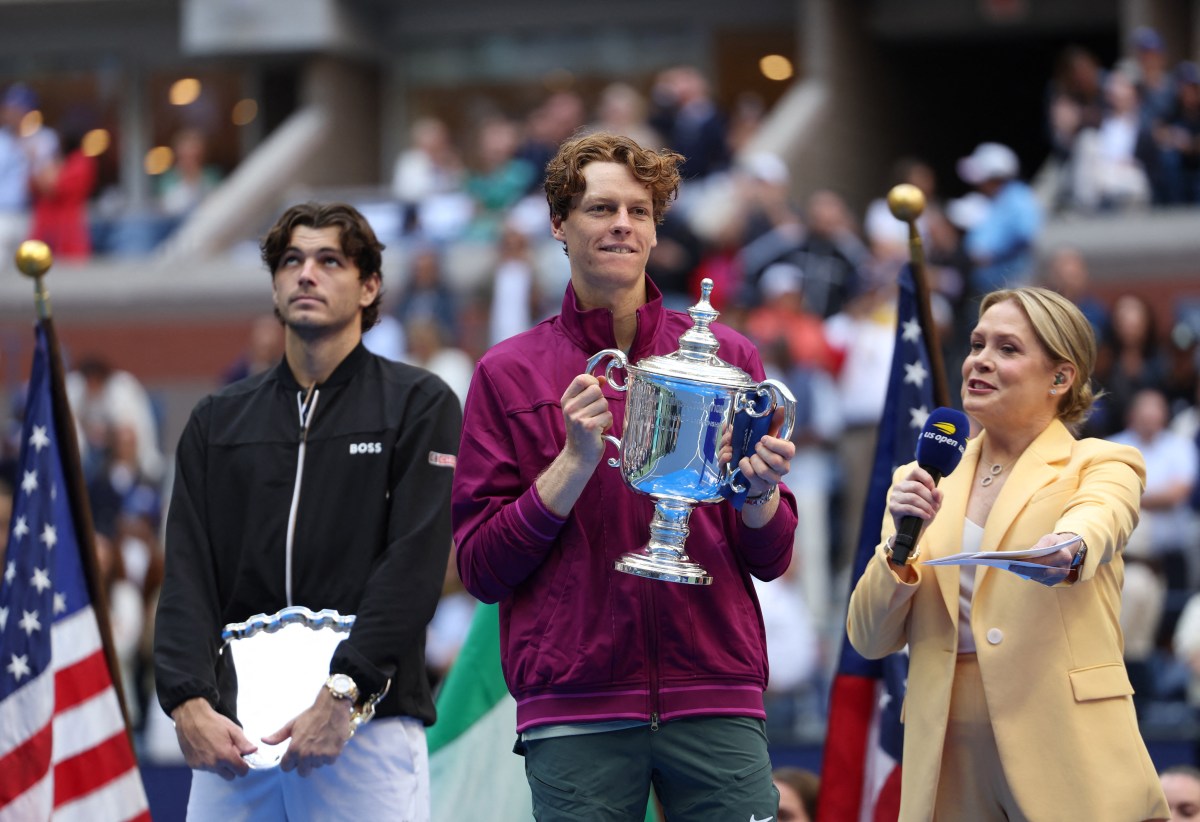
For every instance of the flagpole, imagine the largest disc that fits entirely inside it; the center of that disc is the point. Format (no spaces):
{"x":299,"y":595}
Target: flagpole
{"x":34,"y":259}
{"x":907,"y":202}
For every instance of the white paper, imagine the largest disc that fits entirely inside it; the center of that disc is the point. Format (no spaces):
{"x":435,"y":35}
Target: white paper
{"x":1003,"y":559}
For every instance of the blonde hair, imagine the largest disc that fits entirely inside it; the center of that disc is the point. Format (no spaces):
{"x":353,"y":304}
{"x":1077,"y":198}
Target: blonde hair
{"x":1065,"y":335}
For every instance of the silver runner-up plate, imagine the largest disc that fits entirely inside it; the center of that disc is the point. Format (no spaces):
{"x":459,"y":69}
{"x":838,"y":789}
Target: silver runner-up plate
{"x":282,"y":662}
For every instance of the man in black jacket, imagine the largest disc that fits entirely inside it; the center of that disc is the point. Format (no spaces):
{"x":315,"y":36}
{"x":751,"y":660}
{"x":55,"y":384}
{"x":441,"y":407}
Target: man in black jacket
{"x":323,"y":483}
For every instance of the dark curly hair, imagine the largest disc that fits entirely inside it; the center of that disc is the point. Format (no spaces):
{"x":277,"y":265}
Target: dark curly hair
{"x":358,"y":243}
{"x":657,"y":170}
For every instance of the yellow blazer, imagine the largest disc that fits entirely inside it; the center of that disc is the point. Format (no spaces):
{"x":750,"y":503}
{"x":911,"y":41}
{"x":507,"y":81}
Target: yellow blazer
{"x":1051,"y":659}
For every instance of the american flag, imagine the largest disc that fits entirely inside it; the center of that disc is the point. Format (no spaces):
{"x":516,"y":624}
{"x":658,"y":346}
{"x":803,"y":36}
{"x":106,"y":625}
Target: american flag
{"x":860,"y":775}
{"x":64,"y":750}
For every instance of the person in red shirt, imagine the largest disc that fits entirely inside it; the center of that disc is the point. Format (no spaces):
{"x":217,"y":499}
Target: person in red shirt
{"x":60,"y":195}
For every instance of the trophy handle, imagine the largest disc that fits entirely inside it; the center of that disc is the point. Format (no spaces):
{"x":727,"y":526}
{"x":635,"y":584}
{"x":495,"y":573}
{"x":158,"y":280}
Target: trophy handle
{"x":614,"y":462}
{"x":618,"y":361}
{"x":781,"y":397}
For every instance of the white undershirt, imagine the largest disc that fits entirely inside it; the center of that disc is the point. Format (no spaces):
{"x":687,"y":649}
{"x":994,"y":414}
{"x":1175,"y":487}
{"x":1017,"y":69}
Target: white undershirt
{"x":972,"y":538}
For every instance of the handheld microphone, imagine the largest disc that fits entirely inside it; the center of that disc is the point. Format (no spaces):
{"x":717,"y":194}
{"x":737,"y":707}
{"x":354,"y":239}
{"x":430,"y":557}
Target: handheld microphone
{"x":939,"y":449}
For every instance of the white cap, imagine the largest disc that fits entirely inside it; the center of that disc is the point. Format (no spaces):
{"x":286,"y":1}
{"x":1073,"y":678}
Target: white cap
{"x":779,"y":279}
{"x":989,"y":161}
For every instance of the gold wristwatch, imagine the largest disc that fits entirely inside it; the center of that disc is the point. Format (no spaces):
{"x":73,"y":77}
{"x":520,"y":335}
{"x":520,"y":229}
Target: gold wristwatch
{"x":341,"y":686}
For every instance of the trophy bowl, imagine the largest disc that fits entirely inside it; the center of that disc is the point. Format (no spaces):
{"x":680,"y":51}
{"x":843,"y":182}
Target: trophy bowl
{"x":677,"y":444}
{"x":282,"y":662}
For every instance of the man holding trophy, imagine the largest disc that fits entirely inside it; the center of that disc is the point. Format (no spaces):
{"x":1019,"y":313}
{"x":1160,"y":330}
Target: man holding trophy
{"x":309,"y":516}
{"x":654,"y":675}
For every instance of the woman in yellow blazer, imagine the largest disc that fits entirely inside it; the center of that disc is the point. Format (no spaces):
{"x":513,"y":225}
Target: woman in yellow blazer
{"x":1018,"y":703}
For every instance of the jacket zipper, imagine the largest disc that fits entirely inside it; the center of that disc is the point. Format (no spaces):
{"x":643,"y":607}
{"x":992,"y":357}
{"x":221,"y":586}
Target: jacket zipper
{"x":306,"y":403}
{"x":652,"y":657}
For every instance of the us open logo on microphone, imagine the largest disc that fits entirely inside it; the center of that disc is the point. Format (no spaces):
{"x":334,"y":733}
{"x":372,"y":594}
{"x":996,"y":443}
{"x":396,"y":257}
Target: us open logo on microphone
{"x":942,"y":439}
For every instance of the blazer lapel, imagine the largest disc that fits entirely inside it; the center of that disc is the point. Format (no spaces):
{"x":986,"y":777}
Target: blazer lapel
{"x":1035,"y":469}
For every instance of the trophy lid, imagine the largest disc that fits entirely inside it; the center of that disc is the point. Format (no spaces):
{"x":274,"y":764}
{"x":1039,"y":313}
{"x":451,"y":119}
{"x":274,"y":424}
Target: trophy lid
{"x":697,"y":359}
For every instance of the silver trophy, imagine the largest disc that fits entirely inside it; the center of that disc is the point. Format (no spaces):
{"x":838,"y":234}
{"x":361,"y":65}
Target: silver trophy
{"x":679,"y":421}
{"x":282,"y":662}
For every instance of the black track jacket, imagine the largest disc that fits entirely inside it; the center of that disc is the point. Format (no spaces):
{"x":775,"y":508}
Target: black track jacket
{"x":372,"y":533}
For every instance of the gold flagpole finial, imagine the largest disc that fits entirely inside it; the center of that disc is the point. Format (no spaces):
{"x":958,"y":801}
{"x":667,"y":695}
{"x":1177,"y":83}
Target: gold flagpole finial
{"x":34,"y":259}
{"x":906,"y":202}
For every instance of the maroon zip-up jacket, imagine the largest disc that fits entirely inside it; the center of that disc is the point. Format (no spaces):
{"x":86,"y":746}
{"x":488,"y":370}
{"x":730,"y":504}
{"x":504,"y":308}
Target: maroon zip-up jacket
{"x":581,"y":641}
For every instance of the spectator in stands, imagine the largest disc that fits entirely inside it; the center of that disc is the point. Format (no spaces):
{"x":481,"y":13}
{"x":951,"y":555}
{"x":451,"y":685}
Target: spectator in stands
{"x":428,"y":348}
{"x":264,"y":349}
{"x":497,"y":179}
{"x":1166,"y":525}
{"x":515,"y":296}
{"x":1156,"y":92}
{"x":795,"y":352}
{"x":117,"y":475}
{"x":782,"y":316}
{"x":675,"y":259}
{"x":685,"y":114}
{"x":61,"y":189}
{"x":751,"y":200}
{"x":126,"y":616}
{"x":1186,"y":424}
{"x":793,"y":647}
{"x":830,"y":254}
{"x":1185,"y":645}
{"x":21,"y":117}
{"x":425,"y":295}
{"x":1075,"y":98}
{"x":887,"y":235}
{"x":1067,"y":273}
{"x":427,"y":181}
{"x":1156,"y":87}
{"x":102,"y":396}
{"x":190,"y":179}
{"x":1001,"y":244}
{"x":798,"y":789}
{"x":14,"y":175}
{"x":558,"y":117}
{"x":622,"y":109}
{"x":1181,"y":151}
{"x":888,"y":239}
{"x":1108,"y":162}
{"x":865,"y":331}
{"x":1130,"y":358}
{"x":746,"y":117}
{"x":759,"y":208}
{"x":1181,"y":784}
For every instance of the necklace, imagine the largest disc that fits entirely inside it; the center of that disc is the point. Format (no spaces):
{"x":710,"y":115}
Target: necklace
{"x":992,"y":473}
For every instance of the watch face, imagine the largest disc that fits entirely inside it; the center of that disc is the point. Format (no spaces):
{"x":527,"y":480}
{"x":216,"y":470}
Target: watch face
{"x":342,"y":686}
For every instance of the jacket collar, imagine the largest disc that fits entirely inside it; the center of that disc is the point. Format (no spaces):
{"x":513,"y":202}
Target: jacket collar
{"x":592,"y":329}
{"x":346,"y":369}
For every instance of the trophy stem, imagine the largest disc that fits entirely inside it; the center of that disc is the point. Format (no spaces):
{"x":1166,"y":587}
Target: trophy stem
{"x":664,"y":557}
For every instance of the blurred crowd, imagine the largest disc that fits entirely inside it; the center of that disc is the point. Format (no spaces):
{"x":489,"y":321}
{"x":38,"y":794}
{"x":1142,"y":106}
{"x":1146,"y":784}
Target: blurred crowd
{"x":813,"y":283}
{"x":49,"y":184}
{"x":1127,"y":135}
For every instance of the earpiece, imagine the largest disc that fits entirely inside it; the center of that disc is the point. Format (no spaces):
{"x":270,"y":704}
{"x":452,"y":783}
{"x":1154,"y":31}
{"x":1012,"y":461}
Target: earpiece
{"x":1059,"y":379}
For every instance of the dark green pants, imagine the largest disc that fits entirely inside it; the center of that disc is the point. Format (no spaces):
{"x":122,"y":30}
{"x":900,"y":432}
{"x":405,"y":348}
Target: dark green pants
{"x":706,"y":769}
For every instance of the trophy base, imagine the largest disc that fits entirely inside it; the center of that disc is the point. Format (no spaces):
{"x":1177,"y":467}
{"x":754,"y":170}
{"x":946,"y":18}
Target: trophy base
{"x":667,"y":569}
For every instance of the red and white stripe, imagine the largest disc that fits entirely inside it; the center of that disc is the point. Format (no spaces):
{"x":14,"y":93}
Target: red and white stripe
{"x":64,"y":754}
